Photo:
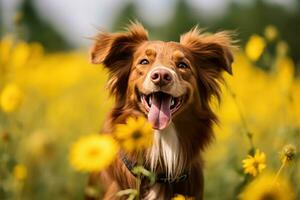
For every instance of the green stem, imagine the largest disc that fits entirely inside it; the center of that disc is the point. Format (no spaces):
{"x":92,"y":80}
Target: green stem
{"x":138,"y":182}
{"x":138,"y":186}
{"x":279,"y":171}
{"x":249,"y":135}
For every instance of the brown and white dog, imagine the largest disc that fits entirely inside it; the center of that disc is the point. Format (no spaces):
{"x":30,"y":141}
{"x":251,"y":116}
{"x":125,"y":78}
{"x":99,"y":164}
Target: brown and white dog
{"x":170,"y":84}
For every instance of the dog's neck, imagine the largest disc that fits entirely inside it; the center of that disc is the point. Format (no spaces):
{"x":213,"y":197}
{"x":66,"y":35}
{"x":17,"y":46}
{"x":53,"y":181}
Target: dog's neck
{"x":166,"y":153}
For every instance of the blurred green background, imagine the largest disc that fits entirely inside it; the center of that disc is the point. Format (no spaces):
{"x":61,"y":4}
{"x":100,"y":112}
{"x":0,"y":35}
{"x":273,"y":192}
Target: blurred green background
{"x":165,"y":20}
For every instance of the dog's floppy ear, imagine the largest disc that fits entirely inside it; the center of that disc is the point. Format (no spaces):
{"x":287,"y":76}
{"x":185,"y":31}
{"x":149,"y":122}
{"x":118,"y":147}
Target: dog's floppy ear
{"x":109,"y":47}
{"x":115,"y":51}
{"x":214,"y":50}
{"x":211,"y":55}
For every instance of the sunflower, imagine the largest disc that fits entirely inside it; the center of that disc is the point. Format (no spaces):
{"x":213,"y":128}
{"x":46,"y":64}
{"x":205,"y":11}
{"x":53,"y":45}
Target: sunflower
{"x":255,"y":164}
{"x":136,"y":134}
{"x":264,"y":188}
{"x":93,"y":153}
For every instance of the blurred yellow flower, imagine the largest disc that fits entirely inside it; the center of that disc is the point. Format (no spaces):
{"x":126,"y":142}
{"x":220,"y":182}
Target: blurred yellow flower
{"x":288,"y":153}
{"x":11,"y":98}
{"x":6,"y":45}
{"x":282,"y":48}
{"x":271,"y":32}
{"x":20,"y":54}
{"x":136,"y":134}
{"x":255,"y":47}
{"x":39,"y":145}
{"x":178,"y":197}
{"x":93,"y":152}
{"x":264,"y":188}
{"x":20,"y":172}
{"x":285,"y":73}
{"x":254,"y":165}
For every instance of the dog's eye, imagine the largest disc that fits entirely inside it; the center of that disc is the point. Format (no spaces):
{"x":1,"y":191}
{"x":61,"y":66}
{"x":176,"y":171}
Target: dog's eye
{"x":182,"y":65}
{"x":144,"y":62}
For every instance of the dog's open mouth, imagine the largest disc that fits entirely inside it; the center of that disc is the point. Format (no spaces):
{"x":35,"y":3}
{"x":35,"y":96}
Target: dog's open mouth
{"x":160,"y":107}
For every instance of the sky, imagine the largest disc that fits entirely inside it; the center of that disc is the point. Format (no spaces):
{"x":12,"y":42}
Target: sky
{"x":79,"y":20}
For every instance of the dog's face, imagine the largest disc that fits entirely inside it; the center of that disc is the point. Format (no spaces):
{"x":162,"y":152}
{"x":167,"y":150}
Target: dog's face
{"x":163,"y":78}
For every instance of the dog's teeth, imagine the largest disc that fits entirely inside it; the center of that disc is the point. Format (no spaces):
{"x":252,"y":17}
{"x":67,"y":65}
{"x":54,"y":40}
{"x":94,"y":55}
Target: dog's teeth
{"x":150,"y":100}
{"x":172,"y":102}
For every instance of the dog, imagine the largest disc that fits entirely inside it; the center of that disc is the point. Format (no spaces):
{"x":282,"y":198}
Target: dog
{"x":171,"y":84}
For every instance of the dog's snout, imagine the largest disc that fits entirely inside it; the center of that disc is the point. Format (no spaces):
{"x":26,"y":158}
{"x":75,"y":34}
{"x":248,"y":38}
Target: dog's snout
{"x":161,"y":77}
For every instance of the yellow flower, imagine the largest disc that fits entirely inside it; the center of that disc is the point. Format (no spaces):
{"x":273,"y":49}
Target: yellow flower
{"x":10,"y":98}
{"x":178,"y":197}
{"x":6,"y":45}
{"x":271,"y":32}
{"x":282,"y":48}
{"x":264,"y":188}
{"x":93,"y":152}
{"x":20,"y":172}
{"x":20,"y":54}
{"x":254,"y":164}
{"x":285,"y":73}
{"x":255,"y":47}
{"x":136,"y":134}
{"x":39,"y":145}
{"x":288,"y":153}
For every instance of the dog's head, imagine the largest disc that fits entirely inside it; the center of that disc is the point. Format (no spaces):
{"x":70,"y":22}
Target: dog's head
{"x":162,"y":79}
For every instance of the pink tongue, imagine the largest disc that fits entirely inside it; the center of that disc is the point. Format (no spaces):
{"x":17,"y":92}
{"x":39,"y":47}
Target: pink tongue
{"x":160,"y":114}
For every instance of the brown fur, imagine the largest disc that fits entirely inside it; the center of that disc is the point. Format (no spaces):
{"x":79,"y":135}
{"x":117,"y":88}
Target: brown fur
{"x":207,"y":56}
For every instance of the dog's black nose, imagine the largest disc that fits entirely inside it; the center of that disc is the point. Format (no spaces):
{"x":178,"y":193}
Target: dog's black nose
{"x":161,"y":77}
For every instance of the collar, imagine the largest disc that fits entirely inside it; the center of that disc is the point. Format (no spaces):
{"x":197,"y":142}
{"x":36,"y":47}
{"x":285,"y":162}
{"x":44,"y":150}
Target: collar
{"x":159,"y":178}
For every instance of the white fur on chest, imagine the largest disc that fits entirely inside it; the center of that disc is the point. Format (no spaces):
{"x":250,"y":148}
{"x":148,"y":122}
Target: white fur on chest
{"x":166,"y":151}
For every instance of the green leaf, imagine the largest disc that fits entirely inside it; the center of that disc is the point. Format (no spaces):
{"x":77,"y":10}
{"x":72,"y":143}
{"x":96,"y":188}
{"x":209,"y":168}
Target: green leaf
{"x":130,"y":192}
{"x":140,"y":170}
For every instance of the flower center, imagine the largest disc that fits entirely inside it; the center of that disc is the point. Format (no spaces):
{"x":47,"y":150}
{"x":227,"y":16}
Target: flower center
{"x":256,"y":164}
{"x":269,"y":196}
{"x":93,"y":152}
{"x":136,"y":135}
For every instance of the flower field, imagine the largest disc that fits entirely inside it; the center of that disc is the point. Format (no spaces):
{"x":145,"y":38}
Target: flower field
{"x":53,"y":105}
